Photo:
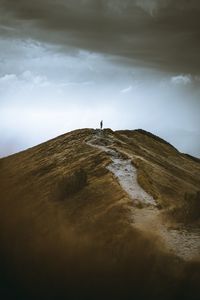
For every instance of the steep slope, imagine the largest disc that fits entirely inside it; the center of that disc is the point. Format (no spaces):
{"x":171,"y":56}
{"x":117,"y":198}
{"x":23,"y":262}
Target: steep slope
{"x":83,"y":209}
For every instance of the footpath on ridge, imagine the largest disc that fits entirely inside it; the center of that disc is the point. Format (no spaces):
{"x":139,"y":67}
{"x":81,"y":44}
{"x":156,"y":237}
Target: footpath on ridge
{"x":146,"y":215}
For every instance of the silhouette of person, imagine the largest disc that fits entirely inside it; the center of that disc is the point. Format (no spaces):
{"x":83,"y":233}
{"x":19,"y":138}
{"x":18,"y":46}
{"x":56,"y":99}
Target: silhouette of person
{"x":101,"y":124}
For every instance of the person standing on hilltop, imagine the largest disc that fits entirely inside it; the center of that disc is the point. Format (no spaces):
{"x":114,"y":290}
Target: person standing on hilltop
{"x":101,"y":124}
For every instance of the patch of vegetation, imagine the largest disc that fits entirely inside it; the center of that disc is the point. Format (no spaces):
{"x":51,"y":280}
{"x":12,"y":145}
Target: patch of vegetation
{"x":146,"y":183}
{"x":139,"y":204}
{"x":44,"y":169}
{"x":71,"y":184}
{"x":189,"y":210}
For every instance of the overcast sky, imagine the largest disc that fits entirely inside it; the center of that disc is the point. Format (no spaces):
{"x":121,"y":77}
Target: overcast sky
{"x":67,"y":64}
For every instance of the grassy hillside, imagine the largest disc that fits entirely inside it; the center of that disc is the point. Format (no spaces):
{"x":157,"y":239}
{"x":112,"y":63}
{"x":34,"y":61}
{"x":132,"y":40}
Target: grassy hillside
{"x":163,"y":171}
{"x":66,"y":225}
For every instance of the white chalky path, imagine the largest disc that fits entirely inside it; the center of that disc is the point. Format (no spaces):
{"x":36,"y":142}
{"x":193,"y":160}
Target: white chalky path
{"x":184,"y":243}
{"x":126,"y":174}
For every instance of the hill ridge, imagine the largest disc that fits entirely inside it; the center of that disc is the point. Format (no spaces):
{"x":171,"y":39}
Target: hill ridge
{"x":90,"y":130}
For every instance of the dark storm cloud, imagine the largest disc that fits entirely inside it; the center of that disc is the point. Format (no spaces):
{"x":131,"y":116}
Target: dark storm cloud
{"x":160,"y":33}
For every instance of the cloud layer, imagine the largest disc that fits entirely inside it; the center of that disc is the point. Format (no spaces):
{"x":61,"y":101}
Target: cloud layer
{"x":162,"y":34}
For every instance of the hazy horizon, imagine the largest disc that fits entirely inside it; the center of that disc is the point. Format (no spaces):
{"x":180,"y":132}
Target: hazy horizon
{"x":68,"y":64}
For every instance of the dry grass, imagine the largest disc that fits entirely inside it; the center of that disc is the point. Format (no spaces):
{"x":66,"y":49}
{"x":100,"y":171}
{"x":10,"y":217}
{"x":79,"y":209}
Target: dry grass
{"x":85,"y":247}
{"x":189,"y":209}
{"x":70,"y":185}
{"x":144,"y":179}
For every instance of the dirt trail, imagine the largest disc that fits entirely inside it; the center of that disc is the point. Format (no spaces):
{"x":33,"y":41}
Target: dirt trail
{"x":182,"y":242}
{"x":125,"y":173}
